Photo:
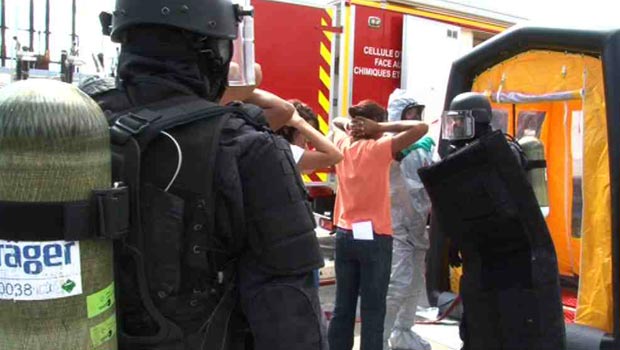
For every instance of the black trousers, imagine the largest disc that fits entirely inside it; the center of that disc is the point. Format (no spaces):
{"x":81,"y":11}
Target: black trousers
{"x":283,"y":312}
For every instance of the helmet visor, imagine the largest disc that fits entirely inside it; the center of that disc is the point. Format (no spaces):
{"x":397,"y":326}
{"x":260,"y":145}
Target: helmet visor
{"x":412,"y":111}
{"x":457,"y":125}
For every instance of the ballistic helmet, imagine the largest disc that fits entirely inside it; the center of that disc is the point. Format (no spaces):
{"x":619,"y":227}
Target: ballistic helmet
{"x":217,"y":19}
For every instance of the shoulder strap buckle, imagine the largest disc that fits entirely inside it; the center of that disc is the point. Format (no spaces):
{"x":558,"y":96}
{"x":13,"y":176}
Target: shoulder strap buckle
{"x":134,"y":123}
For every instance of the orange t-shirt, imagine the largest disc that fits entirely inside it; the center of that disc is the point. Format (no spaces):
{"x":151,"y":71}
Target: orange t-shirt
{"x":363,"y":183}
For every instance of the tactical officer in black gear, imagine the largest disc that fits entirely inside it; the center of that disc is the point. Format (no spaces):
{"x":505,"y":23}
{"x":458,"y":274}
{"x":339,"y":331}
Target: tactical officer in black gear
{"x":482,"y":201}
{"x":221,"y":230}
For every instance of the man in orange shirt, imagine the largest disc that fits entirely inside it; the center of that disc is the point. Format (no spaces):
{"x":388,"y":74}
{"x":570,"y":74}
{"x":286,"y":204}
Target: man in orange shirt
{"x":363,"y":220}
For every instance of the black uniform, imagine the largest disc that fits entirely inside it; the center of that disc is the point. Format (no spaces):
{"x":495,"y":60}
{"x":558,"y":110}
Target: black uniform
{"x":262,"y":235}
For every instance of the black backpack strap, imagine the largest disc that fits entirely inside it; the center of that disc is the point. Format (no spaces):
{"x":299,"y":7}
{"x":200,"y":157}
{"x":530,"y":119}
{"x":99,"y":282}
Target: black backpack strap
{"x":126,"y":166}
{"x":213,"y":134}
{"x":214,"y":333}
{"x":517,"y":150}
{"x":145,"y":123}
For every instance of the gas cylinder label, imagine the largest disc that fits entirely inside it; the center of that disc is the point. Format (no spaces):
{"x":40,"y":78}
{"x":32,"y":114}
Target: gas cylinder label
{"x":100,"y":301}
{"x":103,"y":332}
{"x":39,"y":270}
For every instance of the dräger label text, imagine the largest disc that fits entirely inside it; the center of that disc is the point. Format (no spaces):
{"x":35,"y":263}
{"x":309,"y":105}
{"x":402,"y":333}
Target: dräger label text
{"x":39,"y":270}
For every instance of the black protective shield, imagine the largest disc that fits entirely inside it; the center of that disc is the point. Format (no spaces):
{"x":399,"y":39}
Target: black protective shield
{"x":510,"y":284}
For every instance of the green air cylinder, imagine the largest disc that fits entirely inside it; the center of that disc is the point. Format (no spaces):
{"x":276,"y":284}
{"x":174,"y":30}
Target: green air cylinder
{"x":536,"y":176}
{"x":54,"y":147}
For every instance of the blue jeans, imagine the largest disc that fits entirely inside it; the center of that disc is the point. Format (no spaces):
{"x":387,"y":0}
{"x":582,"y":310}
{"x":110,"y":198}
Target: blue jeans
{"x":362,"y":268}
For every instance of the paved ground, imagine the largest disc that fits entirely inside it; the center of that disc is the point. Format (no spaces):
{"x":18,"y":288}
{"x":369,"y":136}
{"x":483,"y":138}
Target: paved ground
{"x":444,"y":336}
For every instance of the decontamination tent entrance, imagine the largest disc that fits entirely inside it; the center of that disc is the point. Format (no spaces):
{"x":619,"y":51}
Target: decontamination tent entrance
{"x":563,"y":85}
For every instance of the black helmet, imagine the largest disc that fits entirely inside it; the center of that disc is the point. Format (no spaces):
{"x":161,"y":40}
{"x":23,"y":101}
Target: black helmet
{"x":217,"y":19}
{"x":477,"y":103}
{"x":469,"y":118}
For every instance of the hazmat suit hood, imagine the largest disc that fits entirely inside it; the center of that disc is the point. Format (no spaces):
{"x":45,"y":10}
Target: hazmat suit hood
{"x":410,"y":203}
{"x":399,"y":101}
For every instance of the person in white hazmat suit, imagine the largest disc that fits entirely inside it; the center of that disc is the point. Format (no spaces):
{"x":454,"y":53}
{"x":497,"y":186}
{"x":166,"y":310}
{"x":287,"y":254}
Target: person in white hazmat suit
{"x":410,"y":209}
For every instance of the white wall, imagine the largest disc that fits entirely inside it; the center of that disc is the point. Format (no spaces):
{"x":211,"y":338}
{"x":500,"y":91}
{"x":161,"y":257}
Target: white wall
{"x":428,"y":53}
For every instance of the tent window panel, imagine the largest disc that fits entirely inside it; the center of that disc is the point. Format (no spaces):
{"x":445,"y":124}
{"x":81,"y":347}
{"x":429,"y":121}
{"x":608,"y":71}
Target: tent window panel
{"x":577,"y":164}
{"x":499,"y":120}
{"x":530,"y":123}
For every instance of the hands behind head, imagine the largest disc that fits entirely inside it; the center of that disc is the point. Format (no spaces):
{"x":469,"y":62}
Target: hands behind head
{"x":361,"y":127}
{"x":296,"y":120}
